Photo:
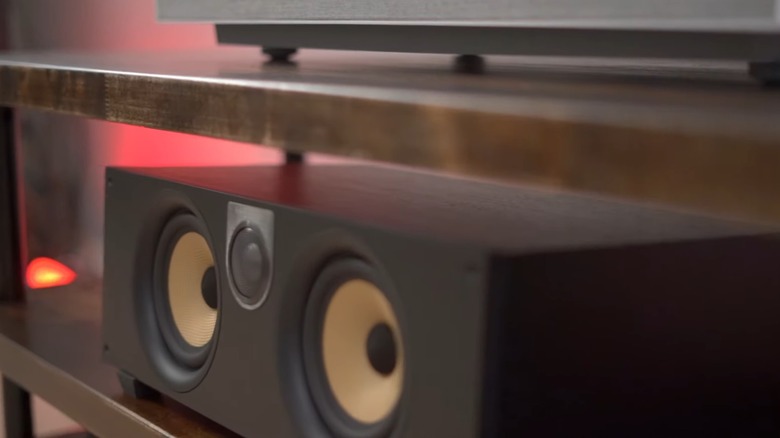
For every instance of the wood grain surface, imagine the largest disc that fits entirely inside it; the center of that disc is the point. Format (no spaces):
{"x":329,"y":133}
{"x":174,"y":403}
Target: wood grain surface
{"x":692,"y":135}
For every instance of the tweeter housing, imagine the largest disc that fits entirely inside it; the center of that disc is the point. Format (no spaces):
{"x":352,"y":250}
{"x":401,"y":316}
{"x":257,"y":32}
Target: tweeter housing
{"x":249,"y":254}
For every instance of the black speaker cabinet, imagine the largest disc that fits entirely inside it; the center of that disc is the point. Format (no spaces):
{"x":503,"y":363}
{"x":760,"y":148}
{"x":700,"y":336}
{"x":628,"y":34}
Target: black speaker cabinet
{"x":362,"y":302}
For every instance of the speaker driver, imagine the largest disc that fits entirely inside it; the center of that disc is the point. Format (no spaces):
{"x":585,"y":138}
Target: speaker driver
{"x":249,"y":255}
{"x":356,"y":370}
{"x":192,"y":290}
{"x":187,"y":290}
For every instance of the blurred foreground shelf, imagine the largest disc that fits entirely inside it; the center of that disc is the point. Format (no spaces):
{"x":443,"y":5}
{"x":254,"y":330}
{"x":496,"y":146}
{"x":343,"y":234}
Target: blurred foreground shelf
{"x":693,"y":136}
{"x":51,"y":346}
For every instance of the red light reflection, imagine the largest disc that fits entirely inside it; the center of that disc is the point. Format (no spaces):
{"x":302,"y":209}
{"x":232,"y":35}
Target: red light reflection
{"x":44,"y":272}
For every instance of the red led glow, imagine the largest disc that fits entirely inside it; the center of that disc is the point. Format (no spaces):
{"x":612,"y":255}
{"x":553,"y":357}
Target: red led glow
{"x":45,"y":272}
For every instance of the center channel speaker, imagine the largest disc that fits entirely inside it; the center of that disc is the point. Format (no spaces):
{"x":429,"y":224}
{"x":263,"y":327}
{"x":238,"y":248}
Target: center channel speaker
{"x":363,"y":302}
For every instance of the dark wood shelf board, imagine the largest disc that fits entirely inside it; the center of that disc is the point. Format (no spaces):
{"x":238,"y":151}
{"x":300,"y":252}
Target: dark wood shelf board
{"x":51,"y":346}
{"x":693,"y":135}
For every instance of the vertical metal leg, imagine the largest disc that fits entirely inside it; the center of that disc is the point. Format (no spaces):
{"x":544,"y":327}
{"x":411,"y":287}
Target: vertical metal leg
{"x":18,"y":415}
{"x":11,"y":283}
{"x":470,"y":64}
{"x":16,"y":401}
{"x":279,"y":54}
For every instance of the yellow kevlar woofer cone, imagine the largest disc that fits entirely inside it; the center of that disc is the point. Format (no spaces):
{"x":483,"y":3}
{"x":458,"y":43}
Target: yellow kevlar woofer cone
{"x":362,"y":351}
{"x":191,"y":261}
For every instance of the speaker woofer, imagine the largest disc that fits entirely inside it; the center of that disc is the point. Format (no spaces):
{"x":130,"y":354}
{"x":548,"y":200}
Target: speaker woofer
{"x":353,"y":350}
{"x":186,"y":291}
{"x":192,"y":288}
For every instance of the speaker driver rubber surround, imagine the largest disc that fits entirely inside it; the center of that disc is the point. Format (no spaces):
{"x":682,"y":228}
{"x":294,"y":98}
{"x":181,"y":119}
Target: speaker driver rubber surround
{"x":185,"y":290}
{"x":353,"y":350}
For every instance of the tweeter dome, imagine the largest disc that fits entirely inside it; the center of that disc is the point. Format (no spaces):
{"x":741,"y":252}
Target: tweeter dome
{"x":361,"y":302}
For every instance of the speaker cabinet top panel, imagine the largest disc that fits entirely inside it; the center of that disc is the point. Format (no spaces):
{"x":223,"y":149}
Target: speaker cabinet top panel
{"x":747,"y":15}
{"x":501,"y":217}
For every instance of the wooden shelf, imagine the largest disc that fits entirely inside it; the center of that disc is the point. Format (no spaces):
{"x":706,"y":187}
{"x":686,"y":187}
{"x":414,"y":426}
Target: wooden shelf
{"x":694,"y":136}
{"x":51,"y":346}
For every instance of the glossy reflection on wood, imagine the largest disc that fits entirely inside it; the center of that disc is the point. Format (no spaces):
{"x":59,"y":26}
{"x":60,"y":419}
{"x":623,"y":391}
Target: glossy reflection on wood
{"x":696,"y":136}
{"x":51,"y":345}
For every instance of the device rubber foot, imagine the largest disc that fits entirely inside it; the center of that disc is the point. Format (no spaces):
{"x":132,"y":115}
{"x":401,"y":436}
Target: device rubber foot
{"x":766,"y":72}
{"x":278,"y":54}
{"x":135,"y":388}
{"x":291,"y":157}
{"x":471,"y":64}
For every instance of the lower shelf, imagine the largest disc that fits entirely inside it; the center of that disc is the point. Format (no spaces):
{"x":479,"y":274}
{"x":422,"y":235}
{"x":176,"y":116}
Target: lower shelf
{"x":51,"y":346}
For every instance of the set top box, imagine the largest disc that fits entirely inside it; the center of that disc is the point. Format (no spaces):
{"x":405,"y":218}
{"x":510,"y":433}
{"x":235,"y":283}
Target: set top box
{"x":747,"y":30}
{"x":364,"y":302}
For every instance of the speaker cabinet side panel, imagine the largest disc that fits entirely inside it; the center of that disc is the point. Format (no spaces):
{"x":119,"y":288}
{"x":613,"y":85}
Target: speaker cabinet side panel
{"x":675,"y":339}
